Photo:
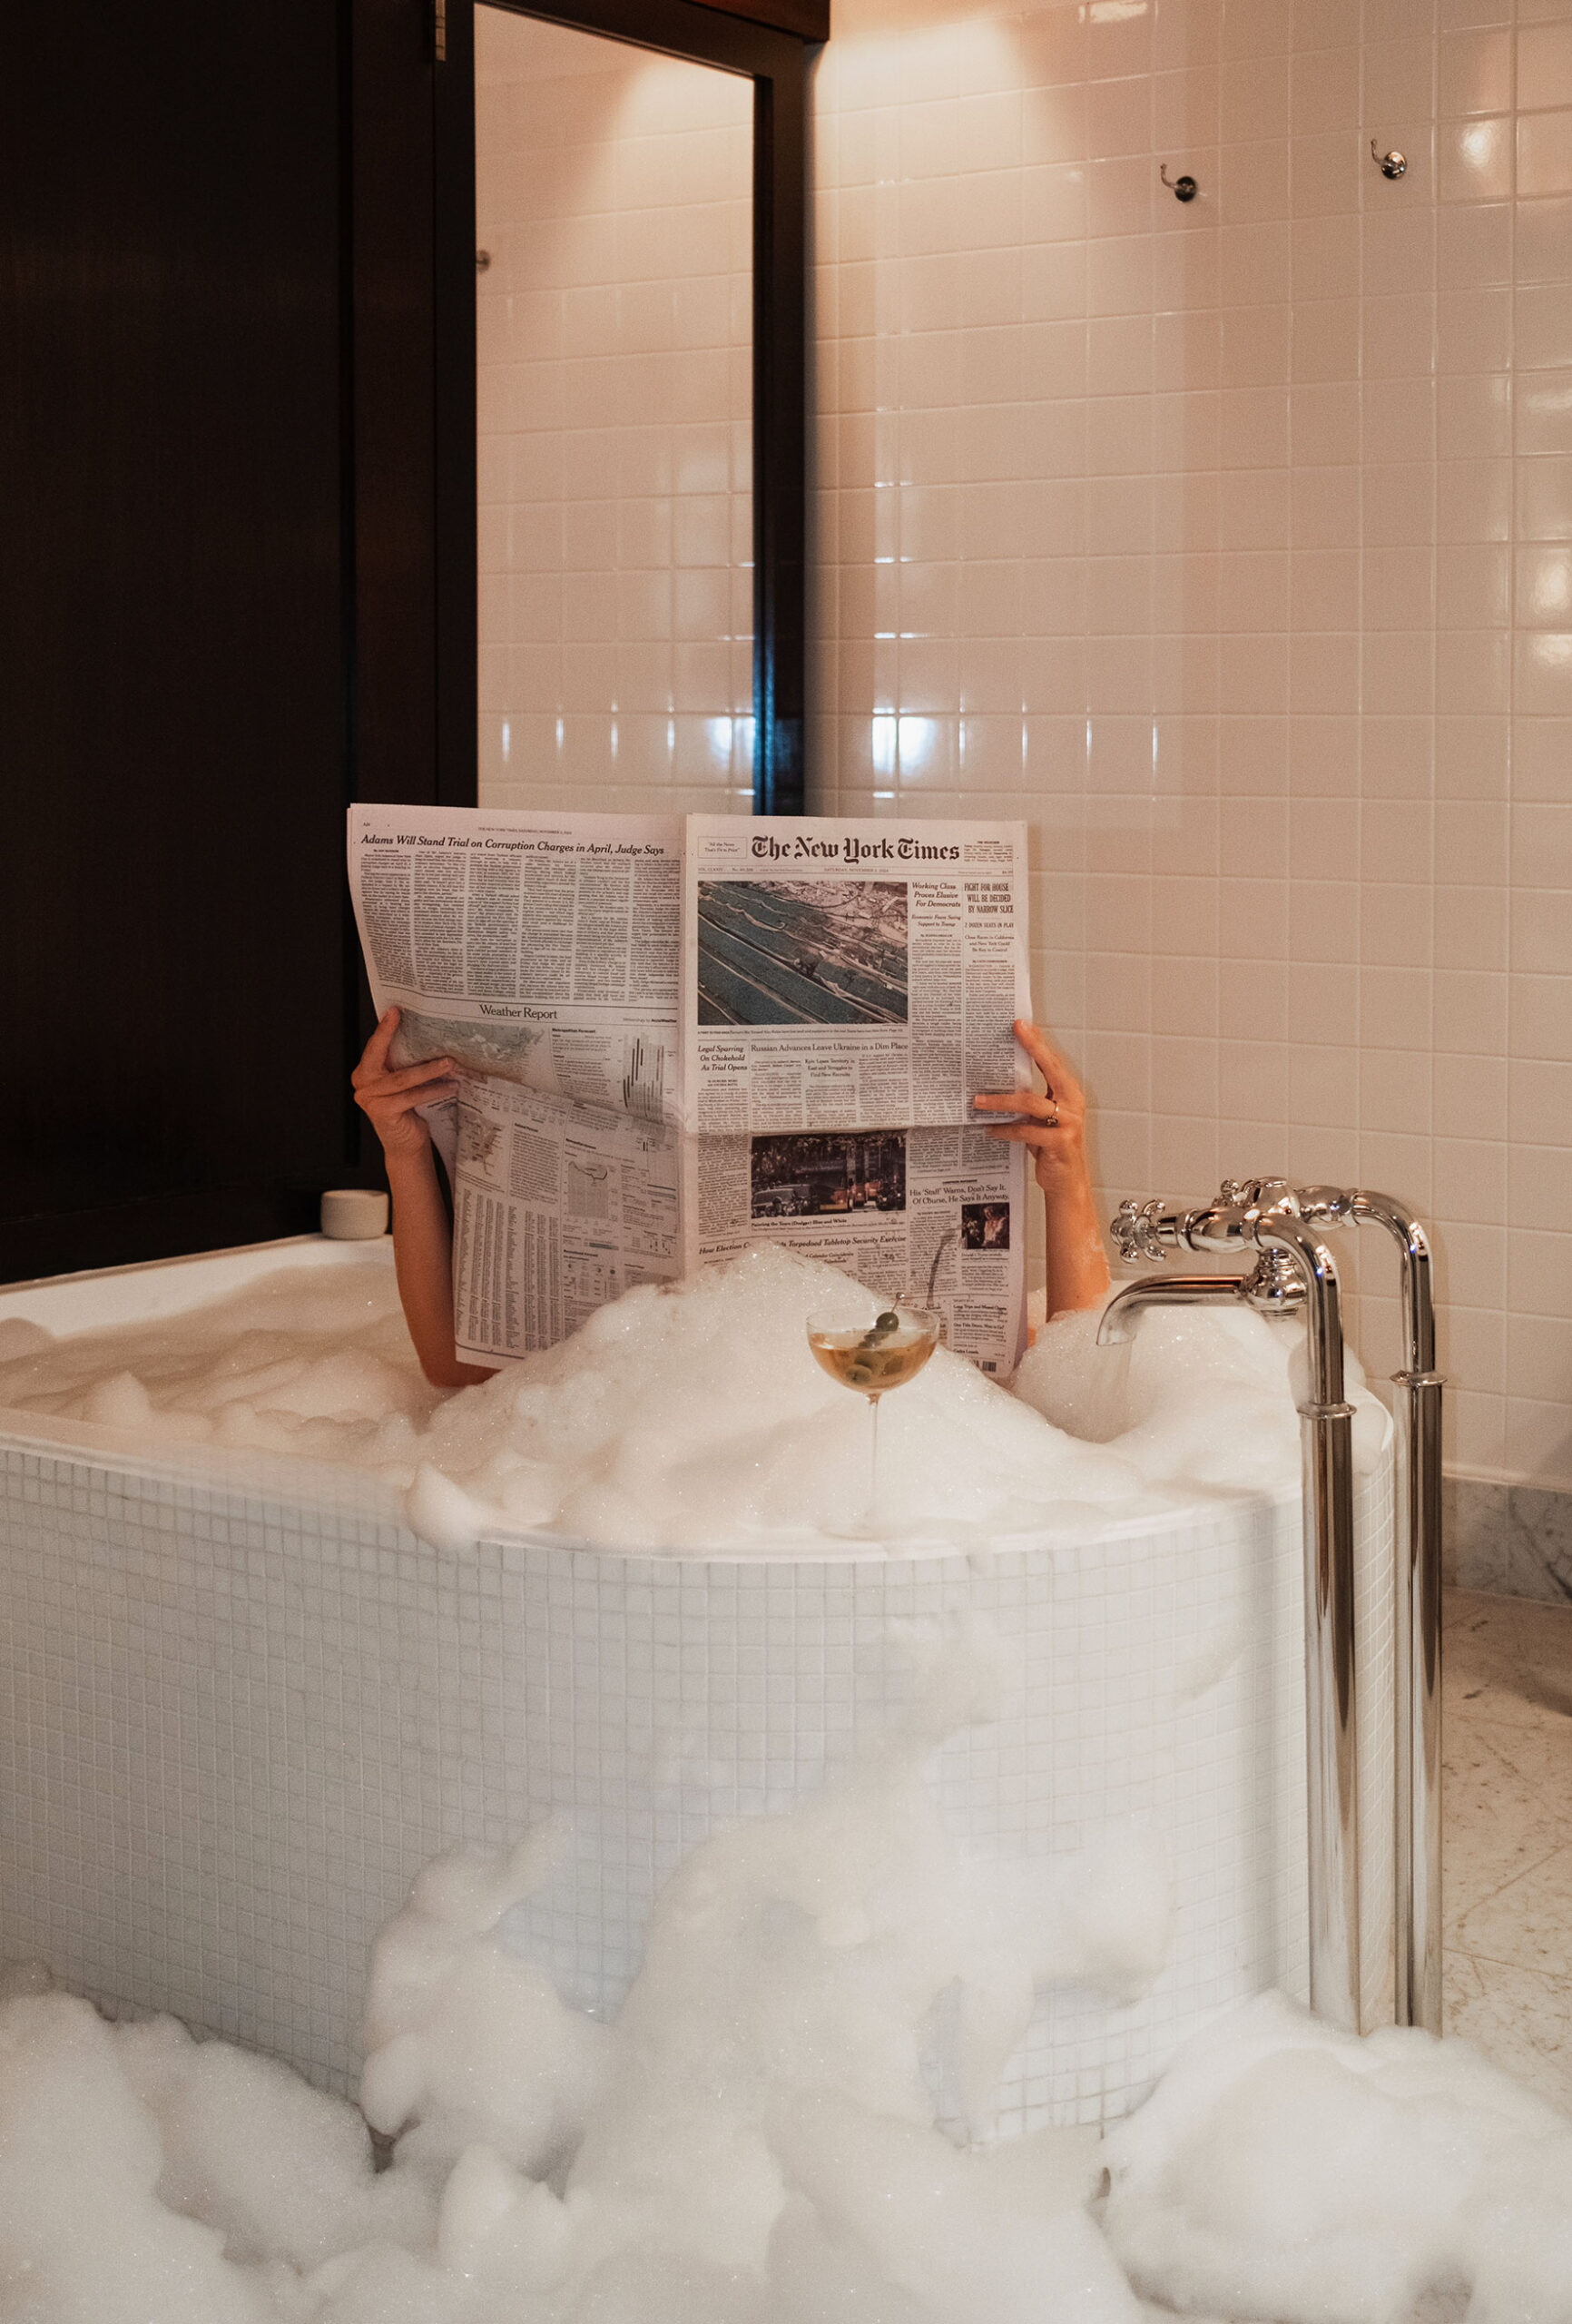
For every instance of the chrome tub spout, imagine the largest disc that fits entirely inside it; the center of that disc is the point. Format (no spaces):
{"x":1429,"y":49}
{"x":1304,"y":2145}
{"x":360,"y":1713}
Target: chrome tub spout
{"x":1273,"y":1287}
{"x":1116,"y":1324}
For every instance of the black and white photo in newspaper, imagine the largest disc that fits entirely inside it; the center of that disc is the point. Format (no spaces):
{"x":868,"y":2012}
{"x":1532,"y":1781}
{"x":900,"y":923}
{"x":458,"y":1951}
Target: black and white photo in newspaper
{"x":540,"y":949}
{"x":841,"y":973}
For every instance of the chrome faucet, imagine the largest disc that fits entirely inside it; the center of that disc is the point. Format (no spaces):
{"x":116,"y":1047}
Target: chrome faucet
{"x":1273,"y":1287}
{"x":1294,"y":1273}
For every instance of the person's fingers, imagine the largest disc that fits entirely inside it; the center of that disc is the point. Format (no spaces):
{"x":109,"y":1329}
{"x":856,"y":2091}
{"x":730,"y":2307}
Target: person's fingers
{"x":430,"y":1069}
{"x":1042,"y":1053}
{"x":404,"y":1101}
{"x":410,"y":1076}
{"x":388,"y":1105}
{"x":1044,"y":1107}
{"x":374,"y":1057}
{"x":1027,"y":1132}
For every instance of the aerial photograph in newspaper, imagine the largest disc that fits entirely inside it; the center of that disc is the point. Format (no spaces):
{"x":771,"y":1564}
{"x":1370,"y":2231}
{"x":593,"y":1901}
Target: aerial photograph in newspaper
{"x":803,"y":952}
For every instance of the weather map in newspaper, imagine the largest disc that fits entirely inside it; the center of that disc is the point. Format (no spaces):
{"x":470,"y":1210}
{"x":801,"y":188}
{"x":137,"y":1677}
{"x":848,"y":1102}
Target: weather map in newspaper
{"x":485,"y":1047}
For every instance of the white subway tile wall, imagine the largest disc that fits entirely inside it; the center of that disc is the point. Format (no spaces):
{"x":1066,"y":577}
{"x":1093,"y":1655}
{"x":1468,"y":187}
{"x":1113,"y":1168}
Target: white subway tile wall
{"x":1231,"y":544}
{"x":614,"y":205}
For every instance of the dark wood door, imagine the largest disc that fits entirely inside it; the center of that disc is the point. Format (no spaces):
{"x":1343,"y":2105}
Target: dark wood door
{"x":237,"y":567}
{"x":189,"y":521}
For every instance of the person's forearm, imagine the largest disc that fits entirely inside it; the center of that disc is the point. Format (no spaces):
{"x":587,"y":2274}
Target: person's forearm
{"x":423,"y":1257}
{"x":1077,"y":1273}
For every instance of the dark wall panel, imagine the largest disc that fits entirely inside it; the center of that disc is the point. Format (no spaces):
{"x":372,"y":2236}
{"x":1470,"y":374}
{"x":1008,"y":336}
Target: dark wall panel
{"x":237,"y":570}
{"x":173,"y":716}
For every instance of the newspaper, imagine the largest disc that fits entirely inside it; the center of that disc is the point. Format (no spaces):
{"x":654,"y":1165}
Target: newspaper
{"x":937,"y":1214}
{"x":539,"y":948}
{"x":558,"y":1209}
{"x":840,"y":974}
{"x":677,"y":1036}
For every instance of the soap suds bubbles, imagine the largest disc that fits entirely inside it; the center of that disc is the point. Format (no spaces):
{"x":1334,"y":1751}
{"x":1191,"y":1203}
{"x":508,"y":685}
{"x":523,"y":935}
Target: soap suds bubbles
{"x":307,"y":1362}
{"x":791,"y":2121}
{"x":695,"y":1417}
{"x":1328,"y":2180}
{"x":779,"y":2129}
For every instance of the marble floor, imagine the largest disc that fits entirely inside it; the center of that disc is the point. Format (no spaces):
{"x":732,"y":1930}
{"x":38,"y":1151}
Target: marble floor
{"x":1508,"y":1806}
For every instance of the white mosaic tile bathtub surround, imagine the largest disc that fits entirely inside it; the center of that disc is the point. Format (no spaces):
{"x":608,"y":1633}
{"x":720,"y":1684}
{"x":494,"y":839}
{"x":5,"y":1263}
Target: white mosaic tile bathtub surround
{"x":234,"y":1722}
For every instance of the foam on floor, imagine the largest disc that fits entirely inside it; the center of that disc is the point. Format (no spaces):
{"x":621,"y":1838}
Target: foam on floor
{"x":693,"y":1417}
{"x":782,"y":2126}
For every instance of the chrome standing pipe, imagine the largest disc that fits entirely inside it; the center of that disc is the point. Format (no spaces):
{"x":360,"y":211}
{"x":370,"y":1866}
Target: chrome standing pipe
{"x":1330,"y":1642}
{"x":1270,"y":1213}
{"x":1265,"y":1214}
{"x":1417,"y":1411}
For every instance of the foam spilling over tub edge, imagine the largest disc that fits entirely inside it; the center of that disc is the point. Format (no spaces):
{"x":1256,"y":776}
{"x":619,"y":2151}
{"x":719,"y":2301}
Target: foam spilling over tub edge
{"x":690,"y":1419}
{"x":758,"y":2140}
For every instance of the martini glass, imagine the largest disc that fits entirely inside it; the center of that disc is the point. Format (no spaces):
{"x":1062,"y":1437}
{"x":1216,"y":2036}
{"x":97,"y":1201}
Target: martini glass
{"x":872,"y":1359}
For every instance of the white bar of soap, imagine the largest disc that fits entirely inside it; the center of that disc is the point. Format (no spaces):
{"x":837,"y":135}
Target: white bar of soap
{"x":354,"y":1214}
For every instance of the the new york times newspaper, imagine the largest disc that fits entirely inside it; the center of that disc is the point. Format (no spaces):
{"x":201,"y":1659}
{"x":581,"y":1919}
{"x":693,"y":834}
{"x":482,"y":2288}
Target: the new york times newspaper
{"x":679,"y":1036}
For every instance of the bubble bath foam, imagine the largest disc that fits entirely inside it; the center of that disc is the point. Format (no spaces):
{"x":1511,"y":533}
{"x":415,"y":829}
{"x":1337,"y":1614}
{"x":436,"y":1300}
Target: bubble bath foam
{"x":247,"y":1704}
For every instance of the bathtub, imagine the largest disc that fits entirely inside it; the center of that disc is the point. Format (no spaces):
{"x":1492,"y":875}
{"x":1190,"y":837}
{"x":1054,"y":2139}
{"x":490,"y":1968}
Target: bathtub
{"x":242,"y":1705}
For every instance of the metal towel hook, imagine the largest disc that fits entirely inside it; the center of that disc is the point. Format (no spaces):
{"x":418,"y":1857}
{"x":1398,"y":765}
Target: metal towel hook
{"x":1182,"y":189}
{"x":1392,"y":165}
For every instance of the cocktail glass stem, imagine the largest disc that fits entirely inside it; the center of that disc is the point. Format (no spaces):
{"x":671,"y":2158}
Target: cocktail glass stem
{"x":873,"y":1459}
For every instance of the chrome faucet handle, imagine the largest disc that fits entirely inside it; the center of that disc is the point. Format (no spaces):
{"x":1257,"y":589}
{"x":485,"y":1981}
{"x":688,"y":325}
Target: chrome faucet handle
{"x":1274,"y":1285}
{"x":1326,"y":1206}
{"x":1134,"y":1230}
{"x":1255,"y":1194}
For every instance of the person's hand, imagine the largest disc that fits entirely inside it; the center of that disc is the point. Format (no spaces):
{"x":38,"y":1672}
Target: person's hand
{"x":1056,"y":1124}
{"x":388,"y":1097}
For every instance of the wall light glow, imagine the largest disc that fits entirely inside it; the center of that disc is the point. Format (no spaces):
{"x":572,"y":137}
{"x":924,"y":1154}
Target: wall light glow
{"x":730,"y":742}
{"x":903,"y":746}
{"x":1547,"y":589}
{"x":914,"y":743}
